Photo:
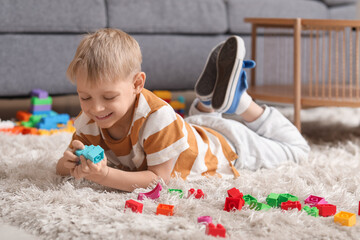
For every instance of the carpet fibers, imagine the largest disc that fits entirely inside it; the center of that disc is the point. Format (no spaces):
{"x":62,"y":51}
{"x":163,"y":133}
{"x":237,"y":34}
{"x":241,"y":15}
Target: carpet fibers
{"x":35,"y":199}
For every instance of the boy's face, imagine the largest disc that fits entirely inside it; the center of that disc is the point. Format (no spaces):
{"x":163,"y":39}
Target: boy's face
{"x":109,"y":104}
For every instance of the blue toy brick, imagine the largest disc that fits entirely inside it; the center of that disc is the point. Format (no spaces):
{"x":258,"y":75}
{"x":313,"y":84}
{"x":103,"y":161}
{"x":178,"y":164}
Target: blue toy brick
{"x":60,"y":118}
{"x":92,"y":153}
{"x":46,"y":113}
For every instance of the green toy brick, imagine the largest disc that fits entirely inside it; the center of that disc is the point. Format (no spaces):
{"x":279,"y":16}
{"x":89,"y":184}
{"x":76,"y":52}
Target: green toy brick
{"x":41,"y":101}
{"x":259,"y":206}
{"x":177,"y":191}
{"x":272,"y":199}
{"x":312,"y":211}
{"x":27,"y":124}
{"x":248,"y":198}
{"x":284,"y":197}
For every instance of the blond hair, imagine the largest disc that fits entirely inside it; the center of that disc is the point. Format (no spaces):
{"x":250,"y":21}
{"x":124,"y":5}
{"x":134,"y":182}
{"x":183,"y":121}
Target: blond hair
{"x":106,"y":55}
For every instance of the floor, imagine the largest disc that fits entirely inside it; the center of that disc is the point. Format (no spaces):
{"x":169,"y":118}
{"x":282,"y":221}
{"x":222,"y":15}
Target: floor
{"x":9,"y":232}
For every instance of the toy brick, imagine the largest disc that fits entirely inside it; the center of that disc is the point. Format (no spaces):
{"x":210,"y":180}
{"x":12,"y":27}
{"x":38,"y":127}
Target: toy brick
{"x":312,"y":211}
{"x":345,"y":218}
{"x":41,"y":101}
{"x":37,"y":108}
{"x":272,"y":199}
{"x":288,"y":205}
{"x":326,"y":210}
{"x":17,"y":130}
{"x":164,"y":95}
{"x":153,"y":194}
{"x":92,"y":153}
{"x":32,"y":131}
{"x":314,"y":200}
{"x":28,"y":124}
{"x":233,"y":204}
{"x":23,"y":116}
{"x":39,"y":93}
{"x":198,"y":194}
{"x":204,"y":219}
{"x":258,"y":206}
{"x":177,"y":105}
{"x":284,"y":197}
{"x":165,"y":209}
{"x":43,"y":132}
{"x":248,"y":199}
{"x":46,"y":113}
{"x":176,"y":191}
{"x":215,"y":231}
{"x":134,"y":206}
{"x":235,"y":193}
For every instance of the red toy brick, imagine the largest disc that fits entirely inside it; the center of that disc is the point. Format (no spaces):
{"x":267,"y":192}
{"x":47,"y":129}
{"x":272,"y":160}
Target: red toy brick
{"x":326,"y":210}
{"x":291,"y":205}
{"x":359,"y":209}
{"x":134,"y":206}
{"x":197,"y":194}
{"x":215,"y":231}
{"x":235,"y":193}
{"x":231,"y":204}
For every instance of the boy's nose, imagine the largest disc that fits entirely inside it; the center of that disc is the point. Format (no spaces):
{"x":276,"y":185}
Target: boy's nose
{"x":98,"y":107}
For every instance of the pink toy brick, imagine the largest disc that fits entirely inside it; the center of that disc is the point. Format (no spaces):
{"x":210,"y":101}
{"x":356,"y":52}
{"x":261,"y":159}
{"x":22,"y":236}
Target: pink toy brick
{"x":215,"y":231}
{"x":134,"y":206}
{"x":39,"y":93}
{"x":326,"y":210}
{"x":198,"y":194}
{"x":314,"y":200}
{"x":204,"y":219}
{"x":234,"y":193}
{"x":291,"y":205}
{"x":153,"y":194}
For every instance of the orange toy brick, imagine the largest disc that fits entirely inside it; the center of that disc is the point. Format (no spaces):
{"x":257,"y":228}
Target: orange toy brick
{"x":23,"y":116}
{"x":345,"y":218}
{"x":215,"y":231}
{"x":165,"y":209}
{"x":134,"y":206}
{"x":291,"y":205}
{"x":326,"y":210}
{"x":32,"y":131}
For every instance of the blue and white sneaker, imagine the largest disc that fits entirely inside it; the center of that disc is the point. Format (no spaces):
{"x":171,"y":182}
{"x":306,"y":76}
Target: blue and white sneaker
{"x":205,"y":84}
{"x":231,"y":78}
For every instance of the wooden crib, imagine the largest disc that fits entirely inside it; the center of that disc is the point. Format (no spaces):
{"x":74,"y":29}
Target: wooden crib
{"x":317,"y":66}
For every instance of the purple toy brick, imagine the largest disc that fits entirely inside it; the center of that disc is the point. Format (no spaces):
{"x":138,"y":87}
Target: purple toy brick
{"x":39,"y":93}
{"x":35,"y":108}
{"x":204,"y":219}
{"x":315,"y":200}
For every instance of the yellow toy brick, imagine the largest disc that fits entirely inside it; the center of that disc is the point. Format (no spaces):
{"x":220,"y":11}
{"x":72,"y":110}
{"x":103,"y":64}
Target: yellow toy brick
{"x":43,"y":132}
{"x":177,"y":105}
{"x":345,"y":218}
{"x":164,"y":95}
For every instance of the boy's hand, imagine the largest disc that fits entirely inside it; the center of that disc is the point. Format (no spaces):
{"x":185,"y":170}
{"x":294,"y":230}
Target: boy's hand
{"x":70,"y":159}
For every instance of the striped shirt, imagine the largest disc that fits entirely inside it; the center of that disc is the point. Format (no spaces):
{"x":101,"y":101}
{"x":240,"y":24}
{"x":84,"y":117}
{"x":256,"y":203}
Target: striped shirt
{"x":156,"y":135}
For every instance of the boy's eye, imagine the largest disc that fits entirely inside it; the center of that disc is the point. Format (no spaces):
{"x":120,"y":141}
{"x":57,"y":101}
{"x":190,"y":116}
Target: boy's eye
{"x":109,"y":98}
{"x":85,"y":98}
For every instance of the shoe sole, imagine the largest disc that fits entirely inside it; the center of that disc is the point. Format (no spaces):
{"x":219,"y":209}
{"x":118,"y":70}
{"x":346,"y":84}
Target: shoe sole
{"x":204,"y":87}
{"x":229,"y":64}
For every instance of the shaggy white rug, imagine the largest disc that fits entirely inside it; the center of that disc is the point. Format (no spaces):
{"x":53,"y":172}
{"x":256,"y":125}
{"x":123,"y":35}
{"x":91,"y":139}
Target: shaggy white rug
{"x":34,"y":198}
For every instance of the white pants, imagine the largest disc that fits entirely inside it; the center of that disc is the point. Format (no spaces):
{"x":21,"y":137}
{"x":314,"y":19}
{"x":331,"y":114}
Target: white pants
{"x":266,"y":142}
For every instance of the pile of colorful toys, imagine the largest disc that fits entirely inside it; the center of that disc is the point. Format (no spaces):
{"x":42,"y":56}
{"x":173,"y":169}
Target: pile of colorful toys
{"x":40,"y":119}
{"x":178,"y":105}
{"x":314,"y":205}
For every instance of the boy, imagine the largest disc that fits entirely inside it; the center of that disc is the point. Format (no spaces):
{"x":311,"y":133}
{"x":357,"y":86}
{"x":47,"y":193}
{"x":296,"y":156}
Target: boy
{"x":144,"y":139}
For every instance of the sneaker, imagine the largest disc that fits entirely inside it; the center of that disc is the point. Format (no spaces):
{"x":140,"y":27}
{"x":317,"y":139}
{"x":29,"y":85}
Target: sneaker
{"x":205,"y":84}
{"x":231,"y":79}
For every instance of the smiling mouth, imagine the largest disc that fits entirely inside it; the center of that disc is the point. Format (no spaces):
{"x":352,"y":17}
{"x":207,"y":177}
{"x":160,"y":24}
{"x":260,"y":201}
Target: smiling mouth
{"x":103,"y":117}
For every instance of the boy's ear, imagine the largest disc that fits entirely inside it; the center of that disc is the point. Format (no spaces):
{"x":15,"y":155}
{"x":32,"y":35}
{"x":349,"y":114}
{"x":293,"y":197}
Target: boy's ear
{"x":139,"y":82}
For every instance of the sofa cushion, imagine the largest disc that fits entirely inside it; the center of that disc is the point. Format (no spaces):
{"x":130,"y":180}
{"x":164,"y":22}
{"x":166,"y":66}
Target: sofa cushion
{"x":338,"y":2}
{"x":343,"y":12}
{"x":168,"y":16}
{"x":51,"y":15}
{"x":240,"y":9}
